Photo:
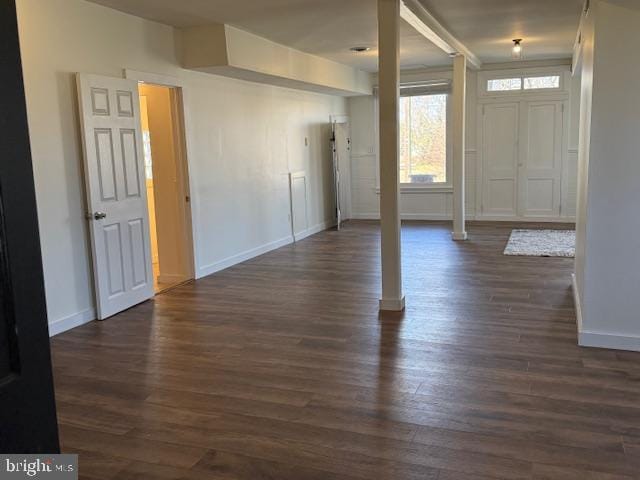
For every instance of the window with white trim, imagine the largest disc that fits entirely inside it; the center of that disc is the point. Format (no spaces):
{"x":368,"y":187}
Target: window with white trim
{"x":540,"y":82}
{"x":534,"y":82}
{"x":504,"y":84}
{"x":423,"y":138}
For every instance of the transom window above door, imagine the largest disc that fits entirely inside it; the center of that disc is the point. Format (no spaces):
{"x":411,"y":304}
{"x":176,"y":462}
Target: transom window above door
{"x":423,"y":139}
{"x":514,"y":84}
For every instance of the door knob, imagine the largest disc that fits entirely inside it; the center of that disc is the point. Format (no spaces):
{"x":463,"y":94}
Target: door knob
{"x":99,"y":215}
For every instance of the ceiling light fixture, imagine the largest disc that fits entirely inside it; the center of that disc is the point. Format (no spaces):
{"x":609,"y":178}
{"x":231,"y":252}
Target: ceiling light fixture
{"x":360,"y":49}
{"x":517,"y":49}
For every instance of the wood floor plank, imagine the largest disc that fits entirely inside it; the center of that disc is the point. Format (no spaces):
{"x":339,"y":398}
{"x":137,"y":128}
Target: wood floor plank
{"x":130,"y":447}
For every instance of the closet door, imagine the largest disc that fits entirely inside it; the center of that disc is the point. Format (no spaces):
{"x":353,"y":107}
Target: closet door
{"x":540,"y":166}
{"x":500,"y":131}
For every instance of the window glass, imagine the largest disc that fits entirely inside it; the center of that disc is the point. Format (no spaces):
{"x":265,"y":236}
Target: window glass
{"x":504,"y":84}
{"x":549,"y":81}
{"x":423,"y":139}
{"x":148,"y":162}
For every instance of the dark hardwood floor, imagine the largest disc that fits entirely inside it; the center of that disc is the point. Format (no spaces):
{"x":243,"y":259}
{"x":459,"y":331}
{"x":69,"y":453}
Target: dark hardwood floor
{"x":282,"y":368}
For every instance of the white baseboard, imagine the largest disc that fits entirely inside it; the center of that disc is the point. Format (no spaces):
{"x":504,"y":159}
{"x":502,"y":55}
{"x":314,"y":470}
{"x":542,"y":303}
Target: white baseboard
{"x":489,"y":218}
{"x":605,"y":340}
{"x":392,"y":304}
{"x":404,"y":216}
{"x":365,"y":216}
{"x":425,"y":216}
{"x":599,"y":339}
{"x":242,"y":257}
{"x":313,"y":230}
{"x":470,"y":217}
{"x":576,"y":301}
{"x":72,"y":321}
{"x":261,"y":250}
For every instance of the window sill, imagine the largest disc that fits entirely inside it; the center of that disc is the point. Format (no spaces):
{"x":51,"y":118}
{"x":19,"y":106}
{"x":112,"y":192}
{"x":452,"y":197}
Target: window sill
{"x":409,"y":189}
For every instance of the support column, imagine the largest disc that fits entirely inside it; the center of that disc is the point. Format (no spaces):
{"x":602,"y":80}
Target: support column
{"x":459,"y":98}
{"x":388,"y":96}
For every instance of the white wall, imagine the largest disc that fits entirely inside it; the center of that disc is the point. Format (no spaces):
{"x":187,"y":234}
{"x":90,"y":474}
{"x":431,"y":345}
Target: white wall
{"x":244,"y":140}
{"x":608,"y":264}
{"x":583,"y":71}
{"x":438,"y":204}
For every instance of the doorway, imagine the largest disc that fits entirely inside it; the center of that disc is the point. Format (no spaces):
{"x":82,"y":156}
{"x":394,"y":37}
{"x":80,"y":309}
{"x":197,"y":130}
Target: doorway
{"x":167,"y":186}
{"x":342,"y":167}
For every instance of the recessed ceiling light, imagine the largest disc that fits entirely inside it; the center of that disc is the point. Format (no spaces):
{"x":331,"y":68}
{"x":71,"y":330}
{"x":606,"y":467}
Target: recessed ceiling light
{"x":360,"y":49}
{"x":517,"y":49}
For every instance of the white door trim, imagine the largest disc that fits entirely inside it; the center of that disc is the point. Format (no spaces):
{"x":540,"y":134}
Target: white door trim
{"x":186,"y":145}
{"x":558,"y":96}
{"x":345,"y":210}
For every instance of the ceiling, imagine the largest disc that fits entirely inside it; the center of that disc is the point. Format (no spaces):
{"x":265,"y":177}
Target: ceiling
{"x":486,"y":27}
{"x":329,"y":27}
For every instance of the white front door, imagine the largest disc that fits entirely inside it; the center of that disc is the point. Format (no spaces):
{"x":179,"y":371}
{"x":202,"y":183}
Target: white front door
{"x":500,"y":134}
{"x":116,"y":191}
{"x":540,"y":167}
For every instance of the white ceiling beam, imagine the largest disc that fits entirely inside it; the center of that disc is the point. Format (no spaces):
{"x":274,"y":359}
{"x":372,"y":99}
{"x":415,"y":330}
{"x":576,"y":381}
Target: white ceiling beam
{"x":426,"y":24}
{"x":225,"y":50}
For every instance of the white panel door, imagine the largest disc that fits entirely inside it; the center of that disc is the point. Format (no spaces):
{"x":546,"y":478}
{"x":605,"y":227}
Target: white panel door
{"x":500,"y":132}
{"x":299,"y":220}
{"x":541,"y":159}
{"x":116,"y":190}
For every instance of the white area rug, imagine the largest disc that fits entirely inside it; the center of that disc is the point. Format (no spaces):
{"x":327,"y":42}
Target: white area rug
{"x":542,"y":243}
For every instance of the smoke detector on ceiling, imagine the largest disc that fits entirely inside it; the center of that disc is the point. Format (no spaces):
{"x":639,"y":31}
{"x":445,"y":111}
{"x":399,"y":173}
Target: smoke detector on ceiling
{"x":360,"y":49}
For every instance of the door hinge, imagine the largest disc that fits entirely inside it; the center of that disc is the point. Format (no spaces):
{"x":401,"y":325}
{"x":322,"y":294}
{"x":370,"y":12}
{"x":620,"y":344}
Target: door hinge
{"x":187,"y":199}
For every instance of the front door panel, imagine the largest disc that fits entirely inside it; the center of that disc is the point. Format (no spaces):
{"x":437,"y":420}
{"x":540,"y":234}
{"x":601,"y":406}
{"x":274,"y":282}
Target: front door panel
{"x":500,"y":159}
{"x":541,"y":166}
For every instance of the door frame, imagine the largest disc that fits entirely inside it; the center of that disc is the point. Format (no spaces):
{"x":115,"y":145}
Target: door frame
{"x":344,"y":119}
{"x":561,"y":96}
{"x":184,"y":145}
